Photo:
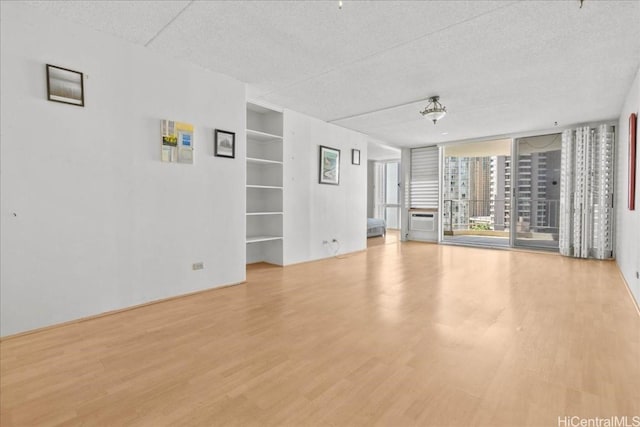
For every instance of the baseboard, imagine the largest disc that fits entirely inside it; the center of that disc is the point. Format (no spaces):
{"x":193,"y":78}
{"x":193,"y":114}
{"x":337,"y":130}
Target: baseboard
{"x":133,"y":307}
{"x":120,"y":310}
{"x":338,"y":256}
{"x":112,"y":312}
{"x":626,"y":285}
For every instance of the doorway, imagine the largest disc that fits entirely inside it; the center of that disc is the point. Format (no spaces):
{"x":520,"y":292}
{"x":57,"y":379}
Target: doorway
{"x":387,"y":193}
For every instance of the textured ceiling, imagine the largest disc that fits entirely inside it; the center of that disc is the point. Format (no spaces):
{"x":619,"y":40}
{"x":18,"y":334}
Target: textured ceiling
{"x":134,"y":21}
{"x":500,"y":67}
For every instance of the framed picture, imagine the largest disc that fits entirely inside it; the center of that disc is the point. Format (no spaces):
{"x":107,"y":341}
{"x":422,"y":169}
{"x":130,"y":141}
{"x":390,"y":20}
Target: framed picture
{"x":355,"y":157}
{"x":224,"y":144}
{"x":66,"y":86}
{"x":177,"y":141}
{"x":329,"y":165}
{"x":633,"y":128}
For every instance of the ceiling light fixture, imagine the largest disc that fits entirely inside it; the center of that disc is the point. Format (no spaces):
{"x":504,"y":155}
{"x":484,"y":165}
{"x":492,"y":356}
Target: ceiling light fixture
{"x":434,"y":110}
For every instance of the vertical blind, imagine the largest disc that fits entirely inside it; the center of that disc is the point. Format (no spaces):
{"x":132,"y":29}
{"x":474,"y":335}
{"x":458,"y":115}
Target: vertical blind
{"x":423,"y":191}
{"x":586,"y":192}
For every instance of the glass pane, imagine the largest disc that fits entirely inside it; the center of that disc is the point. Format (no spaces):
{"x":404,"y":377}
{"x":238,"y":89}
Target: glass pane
{"x":538,"y":191}
{"x":475,"y":193}
{"x":392,"y":195}
{"x":392,"y":217}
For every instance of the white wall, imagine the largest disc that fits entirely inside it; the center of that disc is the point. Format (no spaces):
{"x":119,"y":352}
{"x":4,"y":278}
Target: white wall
{"x":378,"y":150}
{"x":628,"y":222}
{"x":315,"y":212}
{"x":100,"y":222}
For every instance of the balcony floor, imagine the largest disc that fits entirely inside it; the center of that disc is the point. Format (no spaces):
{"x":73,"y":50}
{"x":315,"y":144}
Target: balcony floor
{"x":502,"y":242}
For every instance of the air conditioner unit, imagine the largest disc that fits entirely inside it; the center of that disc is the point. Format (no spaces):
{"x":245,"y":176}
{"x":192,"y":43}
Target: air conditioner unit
{"x":422,"y":222}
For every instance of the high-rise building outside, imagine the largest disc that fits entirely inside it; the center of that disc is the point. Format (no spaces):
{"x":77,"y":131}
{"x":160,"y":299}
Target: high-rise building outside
{"x":478,"y":190}
{"x":467,"y":191}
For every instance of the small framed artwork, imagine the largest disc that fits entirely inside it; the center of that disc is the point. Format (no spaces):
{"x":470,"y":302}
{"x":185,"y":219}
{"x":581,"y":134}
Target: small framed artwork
{"x":329,"y":165}
{"x":177,"y":142}
{"x":66,"y":86}
{"x":355,"y":157}
{"x":633,"y":128}
{"x":224,"y":144}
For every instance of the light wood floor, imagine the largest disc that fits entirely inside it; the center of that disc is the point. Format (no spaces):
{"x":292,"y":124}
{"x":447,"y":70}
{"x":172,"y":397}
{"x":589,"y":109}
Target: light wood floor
{"x":400,"y":335}
{"x":391,"y":236}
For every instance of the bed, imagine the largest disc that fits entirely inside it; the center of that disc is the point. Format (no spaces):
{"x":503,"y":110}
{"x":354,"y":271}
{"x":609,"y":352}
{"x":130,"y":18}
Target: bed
{"x":376,"y":227}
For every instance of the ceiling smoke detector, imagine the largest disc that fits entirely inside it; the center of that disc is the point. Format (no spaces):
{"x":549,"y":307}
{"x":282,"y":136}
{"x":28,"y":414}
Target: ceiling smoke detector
{"x":434,"y":110}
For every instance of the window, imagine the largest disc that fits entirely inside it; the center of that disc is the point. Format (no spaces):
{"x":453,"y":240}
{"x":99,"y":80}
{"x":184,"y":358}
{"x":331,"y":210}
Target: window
{"x":424,"y":178}
{"x":387,"y":193}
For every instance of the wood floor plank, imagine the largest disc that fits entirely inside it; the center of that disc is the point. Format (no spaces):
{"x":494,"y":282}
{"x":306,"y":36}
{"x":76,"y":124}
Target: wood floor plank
{"x":402,"y":334}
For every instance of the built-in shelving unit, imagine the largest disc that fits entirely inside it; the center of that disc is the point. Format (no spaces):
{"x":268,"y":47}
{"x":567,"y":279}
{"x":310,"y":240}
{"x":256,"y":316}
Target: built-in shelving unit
{"x":257,"y":239}
{"x":263,"y":213}
{"x":262,"y":136}
{"x":262,"y":161}
{"x":264,"y":184}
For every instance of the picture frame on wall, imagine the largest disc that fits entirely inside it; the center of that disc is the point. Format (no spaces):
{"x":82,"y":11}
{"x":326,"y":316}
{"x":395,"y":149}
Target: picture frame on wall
{"x":355,"y":156}
{"x":633,"y":128}
{"x":329,"y":165}
{"x":65,"y":86}
{"x":177,"y":142}
{"x":224,"y":143}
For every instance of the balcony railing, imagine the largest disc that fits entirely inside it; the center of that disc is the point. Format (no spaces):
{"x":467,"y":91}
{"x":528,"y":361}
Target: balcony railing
{"x":464,"y":216}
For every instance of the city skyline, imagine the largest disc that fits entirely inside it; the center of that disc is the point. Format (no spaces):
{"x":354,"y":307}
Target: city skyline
{"x":477,"y":190}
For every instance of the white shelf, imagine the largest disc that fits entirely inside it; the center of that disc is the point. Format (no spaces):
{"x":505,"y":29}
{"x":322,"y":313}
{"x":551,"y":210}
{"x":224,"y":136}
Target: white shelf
{"x":256,"y":135}
{"x":264,"y":186}
{"x":263,"y":213}
{"x":263,"y":161}
{"x":256,"y":239}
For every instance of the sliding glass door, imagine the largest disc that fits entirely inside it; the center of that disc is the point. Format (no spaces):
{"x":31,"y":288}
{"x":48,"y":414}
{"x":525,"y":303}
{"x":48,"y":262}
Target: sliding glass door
{"x":536,"y":215}
{"x":475,"y":193}
{"x":502,"y":193}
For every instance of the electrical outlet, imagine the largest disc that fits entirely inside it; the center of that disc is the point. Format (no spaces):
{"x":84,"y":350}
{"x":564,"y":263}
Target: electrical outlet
{"x":197,"y":266}
{"x":325,"y":242}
